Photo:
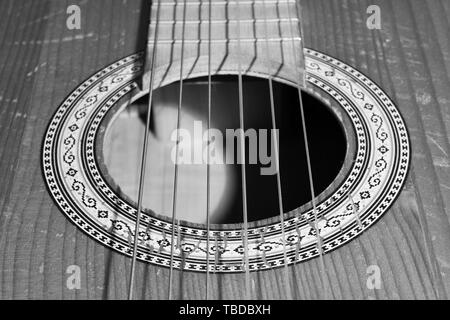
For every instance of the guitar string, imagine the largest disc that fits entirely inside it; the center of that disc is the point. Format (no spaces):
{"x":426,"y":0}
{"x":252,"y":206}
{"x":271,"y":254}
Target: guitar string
{"x":143,"y":161}
{"x":277,"y":161}
{"x":302,"y":83}
{"x":175,"y":179}
{"x":144,"y":155}
{"x":208,"y":155}
{"x":243,"y":160}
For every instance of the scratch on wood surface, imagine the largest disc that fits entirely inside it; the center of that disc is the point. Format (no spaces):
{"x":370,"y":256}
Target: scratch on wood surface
{"x":437,"y":145}
{"x":55,"y":41}
{"x":29,"y":74}
{"x":423,"y":98}
{"x":441,"y":162}
{"x":14,"y":100}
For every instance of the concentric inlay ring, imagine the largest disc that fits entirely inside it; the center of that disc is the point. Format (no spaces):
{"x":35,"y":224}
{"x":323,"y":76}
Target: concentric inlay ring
{"x":374,"y":180}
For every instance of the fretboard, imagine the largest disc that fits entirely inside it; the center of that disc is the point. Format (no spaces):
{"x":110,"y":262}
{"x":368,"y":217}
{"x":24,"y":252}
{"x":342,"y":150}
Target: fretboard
{"x":269,"y":33}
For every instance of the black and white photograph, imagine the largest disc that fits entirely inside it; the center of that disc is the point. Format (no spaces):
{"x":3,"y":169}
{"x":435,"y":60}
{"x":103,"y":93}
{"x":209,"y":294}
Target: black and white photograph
{"x":249,"y":151}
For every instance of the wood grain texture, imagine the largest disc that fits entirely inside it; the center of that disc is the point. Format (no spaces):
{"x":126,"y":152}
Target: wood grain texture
{"x":41,"y":62}
{"x":409,"y":59}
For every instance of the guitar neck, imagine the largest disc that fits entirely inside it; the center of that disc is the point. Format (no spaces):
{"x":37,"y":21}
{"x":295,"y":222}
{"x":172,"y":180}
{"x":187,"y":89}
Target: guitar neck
{"x":259,"y":36}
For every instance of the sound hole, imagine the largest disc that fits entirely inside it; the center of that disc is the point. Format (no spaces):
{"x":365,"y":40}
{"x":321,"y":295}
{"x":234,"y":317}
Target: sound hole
{"x":123,"y":144}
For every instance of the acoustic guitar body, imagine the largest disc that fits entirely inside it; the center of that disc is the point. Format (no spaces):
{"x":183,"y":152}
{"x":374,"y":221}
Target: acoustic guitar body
{"x":60,"y":240}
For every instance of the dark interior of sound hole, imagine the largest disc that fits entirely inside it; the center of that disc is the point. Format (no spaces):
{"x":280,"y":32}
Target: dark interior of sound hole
{"x":326,"y":138}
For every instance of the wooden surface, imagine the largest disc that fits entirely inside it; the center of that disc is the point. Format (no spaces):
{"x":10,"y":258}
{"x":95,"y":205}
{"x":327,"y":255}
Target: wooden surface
{"x":41,"y":62}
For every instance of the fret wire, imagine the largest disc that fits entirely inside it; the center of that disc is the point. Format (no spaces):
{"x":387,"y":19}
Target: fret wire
{"x":302,"y":83}
{"x":175,"y":189}
{"x":225,"y":41}
{"x":243,"y":171}
{"x":277,"y":163}
{"x":143,"y":161}
{"x":224,"y":21}
{"x":226,"y":3}
{"x":208,"y":155}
